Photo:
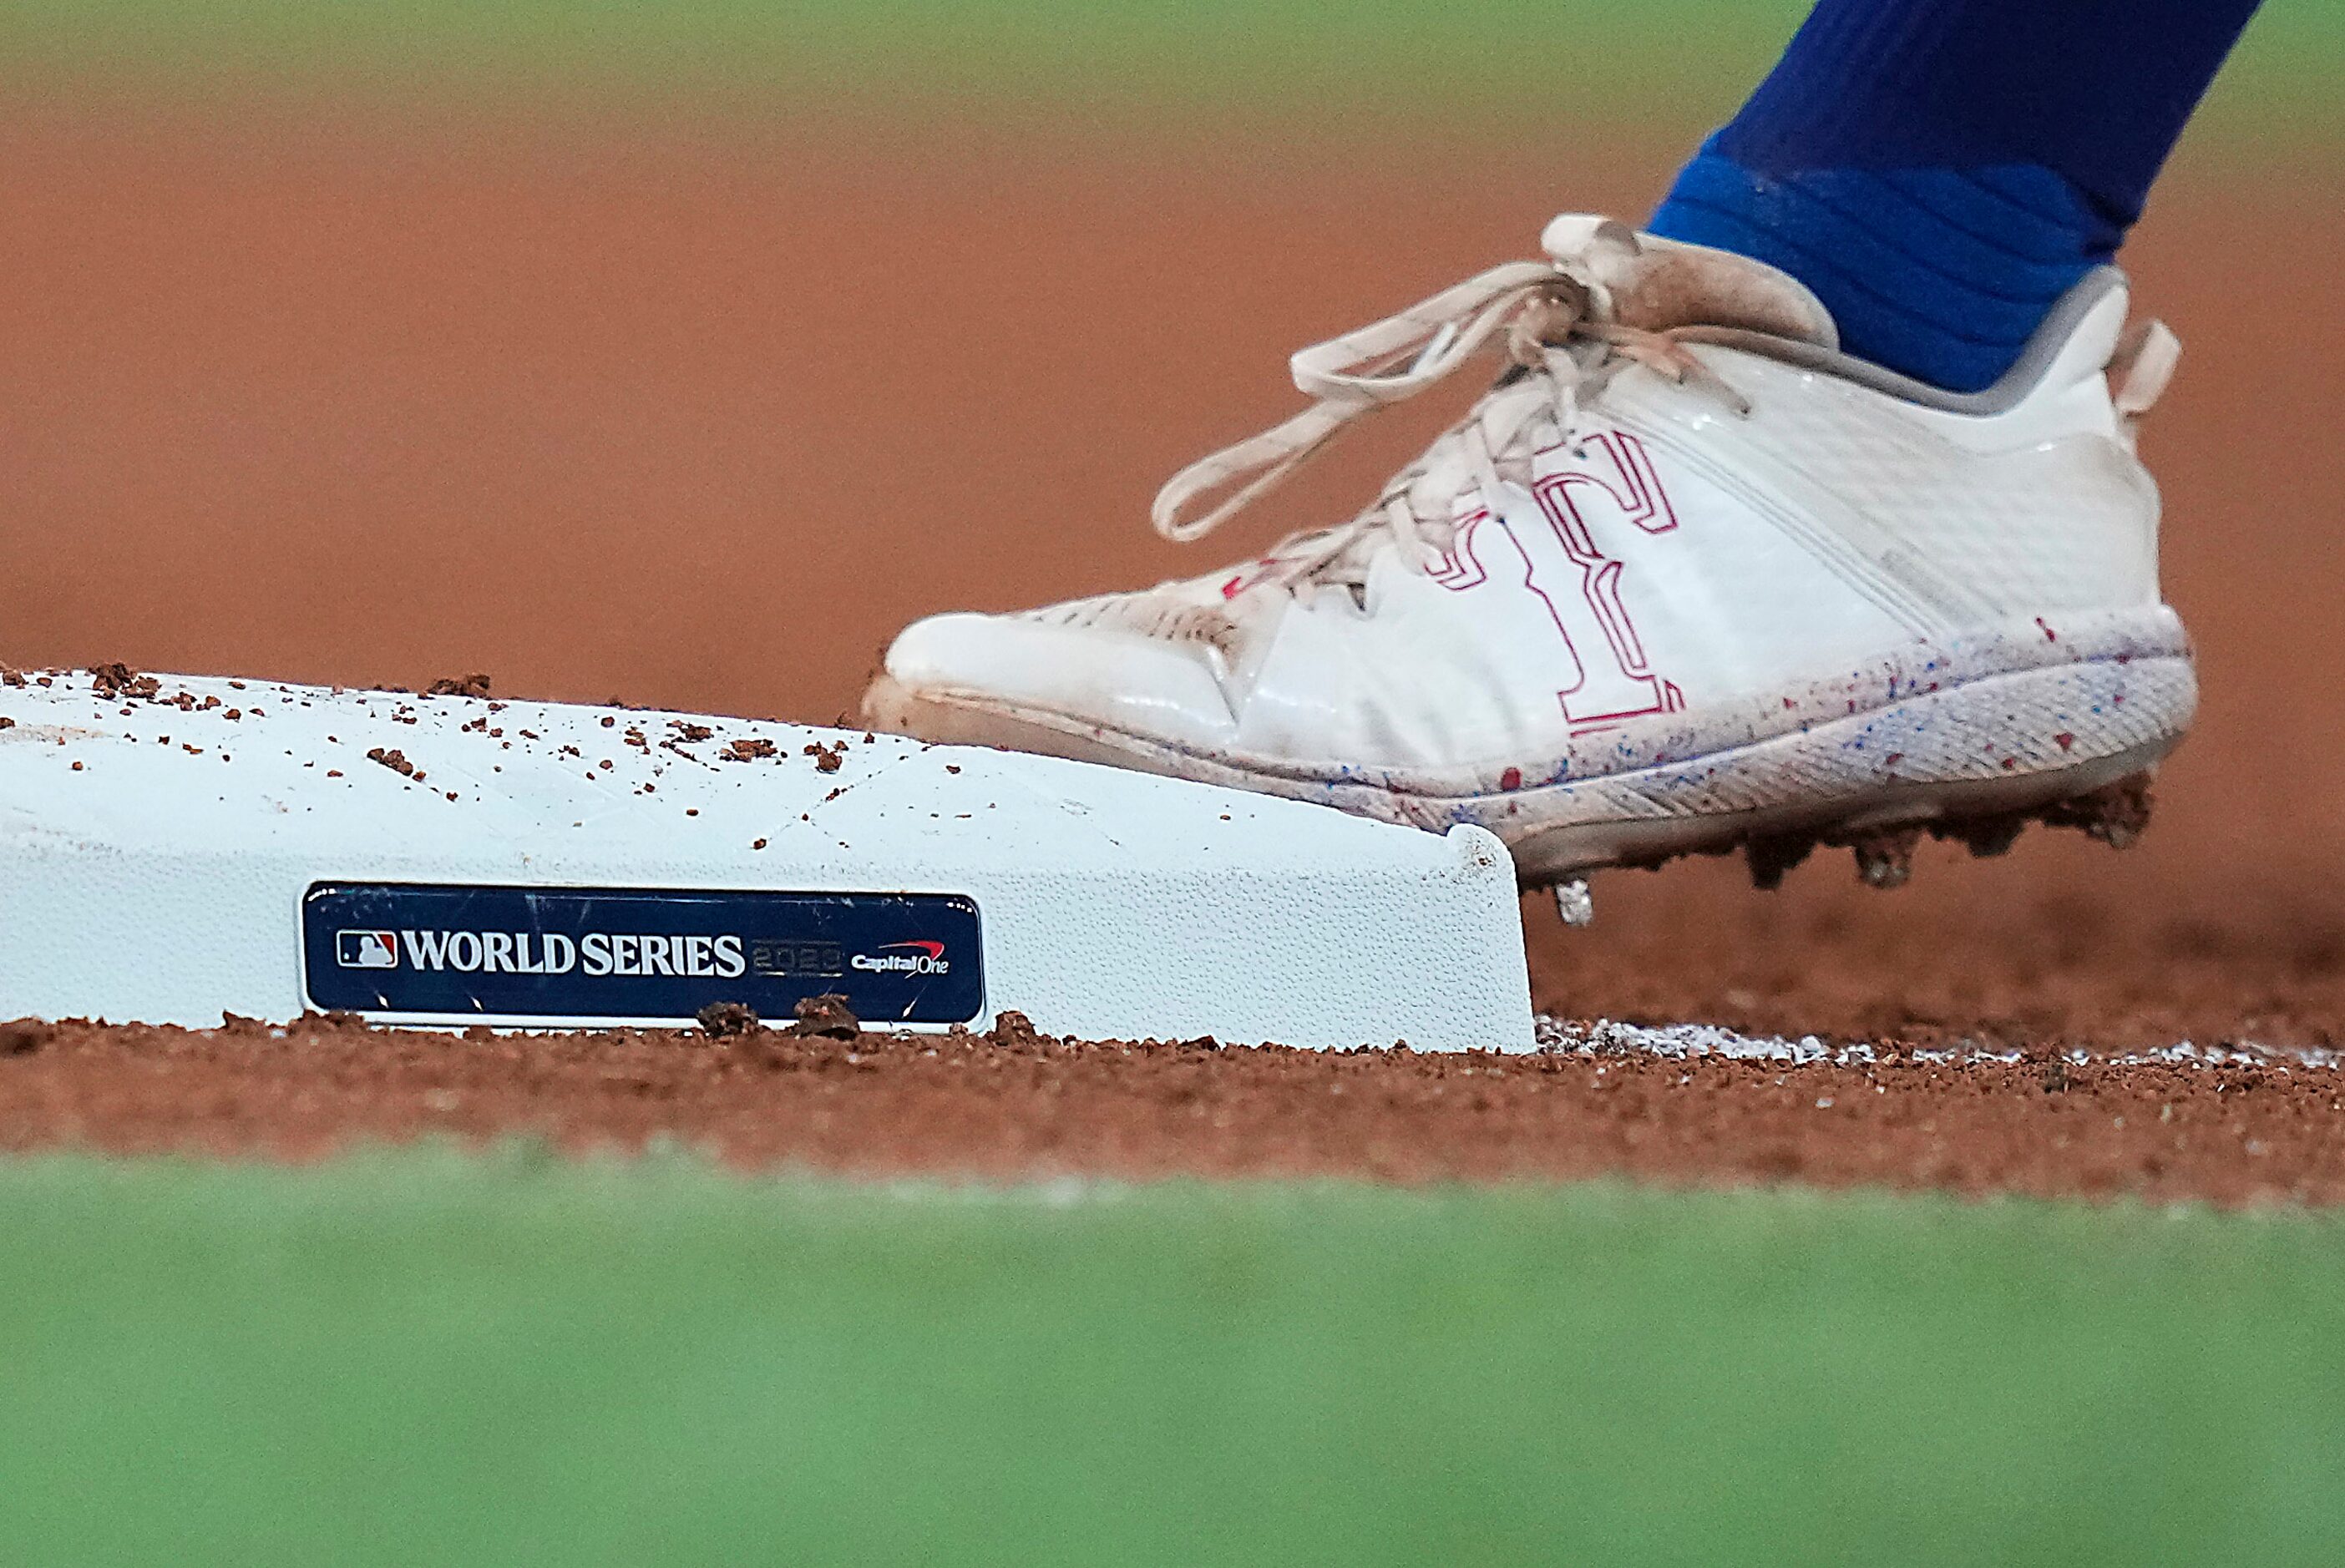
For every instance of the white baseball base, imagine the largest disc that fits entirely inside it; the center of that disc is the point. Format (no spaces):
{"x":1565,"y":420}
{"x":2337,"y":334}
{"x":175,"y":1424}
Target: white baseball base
{"x":161,"y":846}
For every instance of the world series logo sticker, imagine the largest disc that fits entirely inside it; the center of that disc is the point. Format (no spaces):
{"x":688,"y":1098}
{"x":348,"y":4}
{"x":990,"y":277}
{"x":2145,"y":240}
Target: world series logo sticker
{"x":446,"y":952}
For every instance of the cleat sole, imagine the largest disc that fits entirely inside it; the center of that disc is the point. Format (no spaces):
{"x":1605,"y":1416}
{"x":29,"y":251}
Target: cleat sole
{"x":2069,"y":745}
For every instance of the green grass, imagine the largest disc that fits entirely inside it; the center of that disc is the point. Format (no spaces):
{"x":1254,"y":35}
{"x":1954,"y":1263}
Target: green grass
{"x":1489,"y":64}
{"x":428,"y":1357}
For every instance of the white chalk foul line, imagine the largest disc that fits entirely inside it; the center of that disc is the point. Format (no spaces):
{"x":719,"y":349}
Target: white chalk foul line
{"x":1603,"y":1037}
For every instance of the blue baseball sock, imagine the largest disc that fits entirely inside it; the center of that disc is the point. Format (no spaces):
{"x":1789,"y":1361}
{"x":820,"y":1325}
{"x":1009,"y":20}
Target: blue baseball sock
{"x":1940,"y":171}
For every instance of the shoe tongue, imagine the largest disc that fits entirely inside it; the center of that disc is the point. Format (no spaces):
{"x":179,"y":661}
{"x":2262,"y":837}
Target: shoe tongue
{"x":1657,"y":284}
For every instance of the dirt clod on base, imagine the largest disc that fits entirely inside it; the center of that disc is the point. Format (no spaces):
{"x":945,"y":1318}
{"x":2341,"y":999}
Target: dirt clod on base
{"x":117,"y":680}
{"x":472,"y":686}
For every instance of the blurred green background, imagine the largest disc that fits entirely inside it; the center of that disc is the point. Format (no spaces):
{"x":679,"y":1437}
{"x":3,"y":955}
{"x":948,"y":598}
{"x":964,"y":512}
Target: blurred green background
{"x":1480,"y":64}
{"x":425,"y":1357}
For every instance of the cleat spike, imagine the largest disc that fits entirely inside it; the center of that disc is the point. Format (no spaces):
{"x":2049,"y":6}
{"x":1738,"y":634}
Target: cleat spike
{"x":1573,"y":903}
{"x":1771,"y":858}
{"x":2114,"y":814}
{"x":1988,"y":836}
{"x":1884,"y":858}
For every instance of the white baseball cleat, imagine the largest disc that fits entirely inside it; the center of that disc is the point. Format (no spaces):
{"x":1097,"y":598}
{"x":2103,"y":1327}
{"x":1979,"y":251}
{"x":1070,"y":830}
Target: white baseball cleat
{"x":1686,"y":578}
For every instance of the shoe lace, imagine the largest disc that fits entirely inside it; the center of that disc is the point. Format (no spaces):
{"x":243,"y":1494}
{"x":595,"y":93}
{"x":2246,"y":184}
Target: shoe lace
{"x":1561,"y":348}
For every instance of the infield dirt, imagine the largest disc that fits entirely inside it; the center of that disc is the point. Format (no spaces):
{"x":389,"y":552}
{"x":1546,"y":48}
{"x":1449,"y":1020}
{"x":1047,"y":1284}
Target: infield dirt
{"x":698,"y":416}
{"x":1010,"y":1105}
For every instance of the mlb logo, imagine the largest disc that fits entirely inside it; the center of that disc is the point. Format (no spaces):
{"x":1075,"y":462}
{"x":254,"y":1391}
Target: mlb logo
{"x":367,"y":949}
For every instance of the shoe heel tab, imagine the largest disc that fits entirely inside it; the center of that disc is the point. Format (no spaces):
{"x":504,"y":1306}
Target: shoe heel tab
{"x":2139,"y":370}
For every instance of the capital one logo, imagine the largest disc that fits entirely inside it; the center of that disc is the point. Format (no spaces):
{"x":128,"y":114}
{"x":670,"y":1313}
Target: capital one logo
{"x":914,"y":958}
{"x":1568,"y":544}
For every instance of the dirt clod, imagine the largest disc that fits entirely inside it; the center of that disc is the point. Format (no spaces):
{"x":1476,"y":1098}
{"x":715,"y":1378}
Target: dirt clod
{"x":120,"y":680}
{"x":23,"y":1037}
{"x":724,"y":1020}
{"x":472,"y":686}
{"x":2115,"y":816}
{"x":1013,"y":1029}
{"x":394,"y":759}
{"x":827,"y":1016}
{"x":747,"y":750}
{"x":1885,"y":859}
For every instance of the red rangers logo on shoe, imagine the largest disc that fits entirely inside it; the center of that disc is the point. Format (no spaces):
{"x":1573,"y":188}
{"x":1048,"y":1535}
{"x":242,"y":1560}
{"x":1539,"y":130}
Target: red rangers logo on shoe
{"x":1565,"y":567}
